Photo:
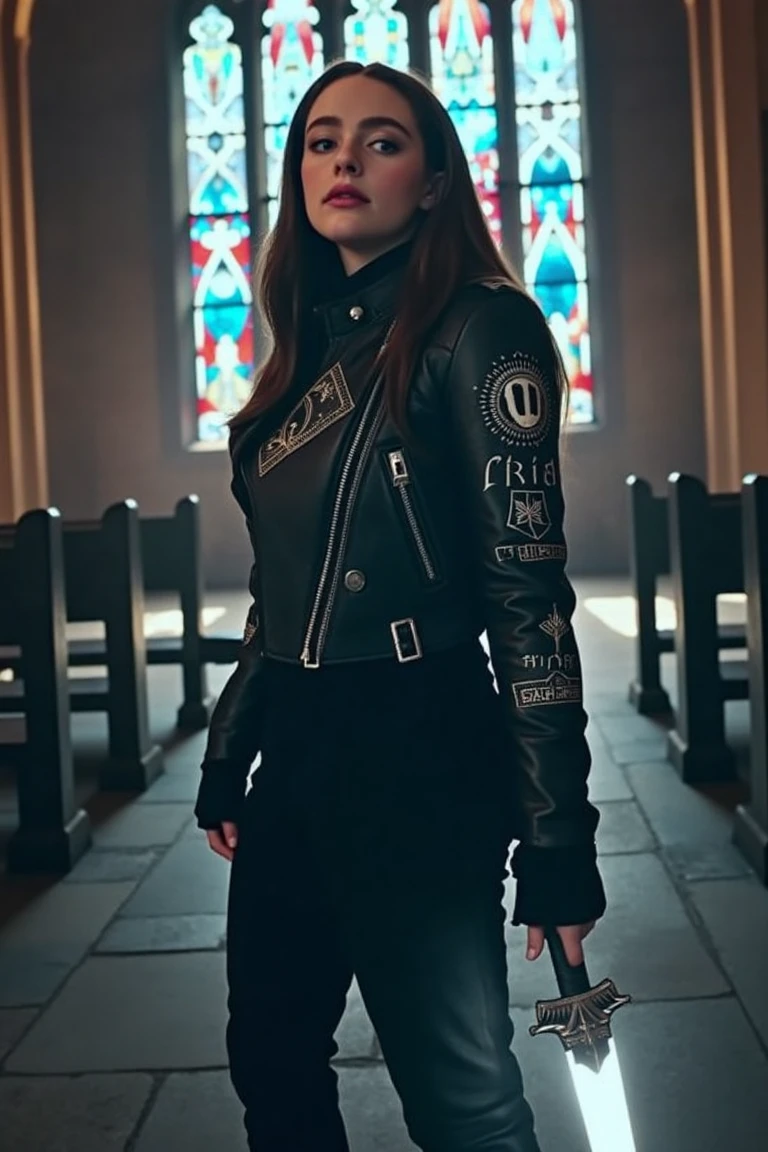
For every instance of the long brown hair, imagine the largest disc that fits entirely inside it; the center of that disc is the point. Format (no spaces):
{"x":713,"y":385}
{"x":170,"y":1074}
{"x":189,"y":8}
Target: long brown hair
{"x":452,"y":246}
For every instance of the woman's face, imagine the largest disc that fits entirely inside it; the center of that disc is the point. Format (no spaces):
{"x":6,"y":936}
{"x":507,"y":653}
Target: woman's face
{"x":363,"y":169}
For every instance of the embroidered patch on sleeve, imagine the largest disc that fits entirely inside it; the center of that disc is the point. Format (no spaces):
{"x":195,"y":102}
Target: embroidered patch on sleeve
{"x":529,"y":514}
{"x":515,"y":400}
{"x":531,"y":552}
{"x":555,"y":689}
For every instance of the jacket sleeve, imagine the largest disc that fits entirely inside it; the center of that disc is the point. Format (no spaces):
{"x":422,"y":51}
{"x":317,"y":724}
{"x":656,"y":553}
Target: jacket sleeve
{"x":234,"y":735}
{"x":504,"y":400}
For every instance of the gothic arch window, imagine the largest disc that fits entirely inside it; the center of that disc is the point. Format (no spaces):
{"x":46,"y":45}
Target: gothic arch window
{"x":506,"y":70}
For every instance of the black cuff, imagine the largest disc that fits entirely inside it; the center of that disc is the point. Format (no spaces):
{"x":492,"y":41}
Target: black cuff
{"x":221,"y":793}
{"x":557,"y":886}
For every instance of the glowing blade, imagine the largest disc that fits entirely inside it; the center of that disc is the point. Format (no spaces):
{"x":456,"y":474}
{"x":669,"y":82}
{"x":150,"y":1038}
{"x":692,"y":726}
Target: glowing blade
{"x":603,"y":1103}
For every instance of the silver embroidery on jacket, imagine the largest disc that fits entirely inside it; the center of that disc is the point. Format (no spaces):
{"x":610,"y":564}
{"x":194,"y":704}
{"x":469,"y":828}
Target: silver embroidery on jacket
{"x":327,"y":401}
{"x":515,"y":401}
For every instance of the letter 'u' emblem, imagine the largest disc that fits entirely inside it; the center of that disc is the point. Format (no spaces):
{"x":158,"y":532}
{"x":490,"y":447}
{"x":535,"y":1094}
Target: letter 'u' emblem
{"x":516,"y":401}
{"x":524,"y":401}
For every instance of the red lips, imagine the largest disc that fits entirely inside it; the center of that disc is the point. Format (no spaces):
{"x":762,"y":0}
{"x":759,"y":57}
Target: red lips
{"x":346,"y":191}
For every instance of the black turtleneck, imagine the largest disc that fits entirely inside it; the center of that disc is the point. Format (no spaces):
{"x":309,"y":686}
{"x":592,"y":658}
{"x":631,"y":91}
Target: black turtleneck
{"x":338,"y":284}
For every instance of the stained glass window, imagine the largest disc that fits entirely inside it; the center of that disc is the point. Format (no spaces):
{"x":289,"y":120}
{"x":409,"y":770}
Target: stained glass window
{"x":285,"y":53}
{"x":376,"y":32}
{"x":219,"y":226}
{"x":551,"y":175}
{"x":462,"y":76}
{"x":291,"y":58}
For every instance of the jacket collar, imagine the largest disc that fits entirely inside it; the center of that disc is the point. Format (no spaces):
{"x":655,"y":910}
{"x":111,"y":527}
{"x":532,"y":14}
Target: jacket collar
{"x":367,"y":298}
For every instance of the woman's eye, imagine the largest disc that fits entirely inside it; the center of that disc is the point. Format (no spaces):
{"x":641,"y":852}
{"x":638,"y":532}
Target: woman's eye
{"x":389,"y":146}
{"x":319,"y":145}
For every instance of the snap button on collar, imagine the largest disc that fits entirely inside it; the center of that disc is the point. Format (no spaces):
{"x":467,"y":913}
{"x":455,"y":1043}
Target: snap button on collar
{"x":356,"y":312}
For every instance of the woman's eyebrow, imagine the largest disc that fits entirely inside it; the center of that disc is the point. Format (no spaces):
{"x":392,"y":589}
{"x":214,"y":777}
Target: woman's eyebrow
{"x":368,"y":122}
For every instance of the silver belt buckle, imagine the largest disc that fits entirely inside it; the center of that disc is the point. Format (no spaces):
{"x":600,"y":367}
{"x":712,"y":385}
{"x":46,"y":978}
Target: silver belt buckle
{"x":405,"y":636}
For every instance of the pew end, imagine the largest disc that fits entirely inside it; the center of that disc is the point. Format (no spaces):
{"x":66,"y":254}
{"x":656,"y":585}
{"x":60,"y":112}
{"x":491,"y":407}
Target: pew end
{"x":52,"y":833}
{"x":705,"y":542}
{"x":750,"y":832}
{"x":648,"y":559}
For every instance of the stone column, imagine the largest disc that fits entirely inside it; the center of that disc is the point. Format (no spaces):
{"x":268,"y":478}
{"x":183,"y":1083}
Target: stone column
{"x":731,"y":230}
{"x":23,"y":469}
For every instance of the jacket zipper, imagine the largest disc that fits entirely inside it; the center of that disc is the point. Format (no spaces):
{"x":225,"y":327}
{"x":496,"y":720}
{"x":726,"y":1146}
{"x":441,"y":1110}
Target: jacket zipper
{"x":401,"y":479}
{"x":341,"y":515}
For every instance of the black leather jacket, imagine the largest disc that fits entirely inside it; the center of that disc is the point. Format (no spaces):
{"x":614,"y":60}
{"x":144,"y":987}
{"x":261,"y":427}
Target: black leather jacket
{"x":370,"y":544}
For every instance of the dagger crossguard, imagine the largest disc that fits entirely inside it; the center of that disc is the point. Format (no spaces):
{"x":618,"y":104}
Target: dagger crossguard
{"x":583,"y":1022}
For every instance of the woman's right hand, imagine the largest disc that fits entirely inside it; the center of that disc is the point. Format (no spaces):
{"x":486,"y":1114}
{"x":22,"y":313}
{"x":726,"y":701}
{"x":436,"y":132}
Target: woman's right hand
{"x":223,"y":840}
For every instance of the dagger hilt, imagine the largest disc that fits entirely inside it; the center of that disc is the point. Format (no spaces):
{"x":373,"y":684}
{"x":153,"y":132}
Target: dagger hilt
{"x":581,"y":1017}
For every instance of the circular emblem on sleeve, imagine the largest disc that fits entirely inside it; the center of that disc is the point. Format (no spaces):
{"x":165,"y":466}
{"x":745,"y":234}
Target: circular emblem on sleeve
{"x":515,"y":401}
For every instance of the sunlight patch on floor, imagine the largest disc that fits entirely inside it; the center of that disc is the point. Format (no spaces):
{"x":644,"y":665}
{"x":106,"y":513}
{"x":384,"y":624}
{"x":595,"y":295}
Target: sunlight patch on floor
{"x":619,"y":613}
{"x":170,"y":621}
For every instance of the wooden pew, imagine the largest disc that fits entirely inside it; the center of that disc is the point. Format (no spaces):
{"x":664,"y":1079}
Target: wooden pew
{"x":706,"y":560}
{"x":750,"y":831}
{"x":102,"y":566}
{"x":172,"y":562}
{"x":52,"y":833}
{"x":649,"y":560}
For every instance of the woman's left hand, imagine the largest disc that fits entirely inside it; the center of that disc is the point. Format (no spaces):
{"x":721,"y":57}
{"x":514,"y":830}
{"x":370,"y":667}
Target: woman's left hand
{"x":571,"y":936}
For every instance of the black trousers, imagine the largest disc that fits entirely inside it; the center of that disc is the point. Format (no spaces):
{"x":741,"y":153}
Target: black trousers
{"x":374,"y":842}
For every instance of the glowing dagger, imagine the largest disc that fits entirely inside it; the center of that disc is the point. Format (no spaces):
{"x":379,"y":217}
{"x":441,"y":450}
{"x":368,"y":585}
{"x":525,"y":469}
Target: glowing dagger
{"x":581,"y":1018}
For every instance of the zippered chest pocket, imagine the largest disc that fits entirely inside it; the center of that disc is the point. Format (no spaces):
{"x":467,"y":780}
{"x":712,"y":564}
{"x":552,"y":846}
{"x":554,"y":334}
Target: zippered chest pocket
{"x":399,"y":480}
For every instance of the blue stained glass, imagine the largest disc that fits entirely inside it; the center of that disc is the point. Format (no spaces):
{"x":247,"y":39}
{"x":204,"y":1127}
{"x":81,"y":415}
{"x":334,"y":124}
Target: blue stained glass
{"x":213,"y":76}
{"x":376,"y":32}
{"x":221,"y":260}
{"x":551,"y":171}
{"x":274,"y":141}
{"x":545,"y":51}
{"x":549,"y":143}
{"x":224,"y":341}
{"x":292,"y":57}
{"x":553,"y":233}
{"x":217,"y":174}
{"x":219,"y":226}
{"x":566,"y":307}
{"x":461,"y":52}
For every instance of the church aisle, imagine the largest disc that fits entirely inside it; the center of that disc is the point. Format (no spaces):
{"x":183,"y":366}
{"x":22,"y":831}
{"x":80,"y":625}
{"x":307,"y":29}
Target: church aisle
{"x":112,"y":994}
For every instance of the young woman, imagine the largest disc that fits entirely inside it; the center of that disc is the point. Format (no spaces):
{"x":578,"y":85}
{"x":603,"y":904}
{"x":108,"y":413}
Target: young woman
{"x":398,"y":469}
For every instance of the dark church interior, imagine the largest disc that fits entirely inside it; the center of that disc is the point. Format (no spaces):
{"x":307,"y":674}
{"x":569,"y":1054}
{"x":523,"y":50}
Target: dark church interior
{"x":619,"y":151}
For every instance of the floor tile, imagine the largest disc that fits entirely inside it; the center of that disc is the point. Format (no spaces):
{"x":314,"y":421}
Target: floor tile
{"x":99,"y":866}
{"x":606,"y":779}
{"x":172,"y":787}
{"x":708,"y":861}
{"x":132,"y":1012}
{"x":142,"y":826}
{"x":189,"y":880}
{"x":13,"y":1023}
{"x":622,"y":829}
{"x":372,"y":1112}
{"x":355,"y":1036}
{"x":41,"y":946}
{"x":735,"y":913}
{"x":62,"y":1114}
{"x":196,"y":1112}
{"x":164,"y":934}
{"x":638,"y":751}
{"x":624,"y":729}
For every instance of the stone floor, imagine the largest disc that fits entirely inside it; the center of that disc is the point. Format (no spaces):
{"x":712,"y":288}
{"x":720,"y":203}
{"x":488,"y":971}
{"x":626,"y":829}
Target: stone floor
{"x":112,"y":994}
